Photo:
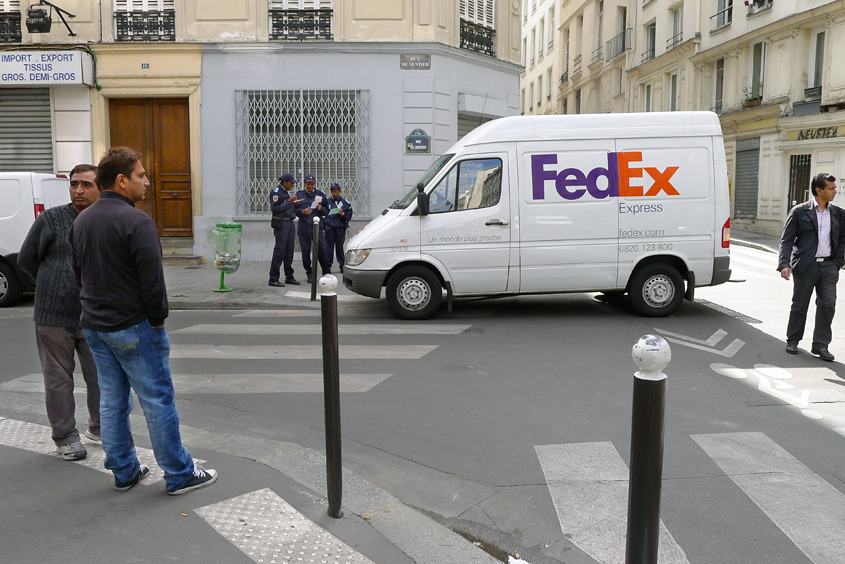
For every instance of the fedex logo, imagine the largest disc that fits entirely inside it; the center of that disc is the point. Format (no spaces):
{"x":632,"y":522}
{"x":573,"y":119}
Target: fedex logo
{"x":572,"y":183}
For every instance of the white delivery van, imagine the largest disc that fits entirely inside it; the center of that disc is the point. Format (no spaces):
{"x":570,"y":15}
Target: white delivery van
{"x":23,"y":195}
{"x":634,"y":203}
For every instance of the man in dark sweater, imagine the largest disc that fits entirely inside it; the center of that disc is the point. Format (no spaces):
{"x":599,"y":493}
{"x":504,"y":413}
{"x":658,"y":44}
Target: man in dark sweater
{"x":46,"y":256}
{"x":117,"y":262}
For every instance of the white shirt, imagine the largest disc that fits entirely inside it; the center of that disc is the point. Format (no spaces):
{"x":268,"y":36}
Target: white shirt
{"x":823,"y":218}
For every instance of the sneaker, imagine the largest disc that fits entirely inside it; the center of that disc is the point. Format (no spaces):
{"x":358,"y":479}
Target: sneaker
{"x":93,"y":436}
{"x":291,"y":281}
{"x":200,"y":479}
{"x":73,"y":451}
{"x":143,"y":472}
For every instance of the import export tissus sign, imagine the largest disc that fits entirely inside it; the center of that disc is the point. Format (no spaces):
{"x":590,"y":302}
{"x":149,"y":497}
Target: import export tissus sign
{"x":45,"y":68}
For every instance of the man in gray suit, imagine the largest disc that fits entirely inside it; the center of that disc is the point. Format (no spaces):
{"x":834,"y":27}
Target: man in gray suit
{"x":813,"y":248}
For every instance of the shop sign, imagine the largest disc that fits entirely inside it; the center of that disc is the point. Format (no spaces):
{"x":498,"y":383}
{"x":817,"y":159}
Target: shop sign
{"x":815,"y":133}
{"x":45,"y":68}
{"x":417,"y":142}
{"x":415,"y":62}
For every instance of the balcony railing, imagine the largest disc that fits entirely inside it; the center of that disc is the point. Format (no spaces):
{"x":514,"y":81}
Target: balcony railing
{"x":755,"y":6}
{"x":551,"y":44}
{"x":648,"y":55}
{"x":576,"y":66}
{"x":619,"y":44}
{"x":152,"y":25}
{"x":674,"y":41}
{"x":301,"y":25}
{"x":596,"y":56}
{"x":721,"y":19}
{"x":564,"y":78}
{"x":10,"y":27}
{"x":478,"y":38}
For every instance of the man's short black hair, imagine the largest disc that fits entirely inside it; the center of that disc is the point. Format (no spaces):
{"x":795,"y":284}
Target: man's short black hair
{"x":119,"y":160}
{"x":86,"y":168}
{"x":820,"y":181}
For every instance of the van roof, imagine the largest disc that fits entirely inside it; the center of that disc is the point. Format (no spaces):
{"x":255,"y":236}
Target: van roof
{"x":593,"y":126}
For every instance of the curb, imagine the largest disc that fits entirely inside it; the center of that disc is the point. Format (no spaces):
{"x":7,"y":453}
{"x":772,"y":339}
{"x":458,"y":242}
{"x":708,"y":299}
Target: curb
{"x":752,"y":245}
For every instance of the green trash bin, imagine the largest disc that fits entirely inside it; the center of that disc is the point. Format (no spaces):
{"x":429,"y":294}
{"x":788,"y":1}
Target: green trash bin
{"x":227,"y":250}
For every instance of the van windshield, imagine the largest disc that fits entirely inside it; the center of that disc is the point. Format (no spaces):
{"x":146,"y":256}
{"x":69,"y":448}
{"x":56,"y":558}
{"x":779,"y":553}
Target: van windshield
{"x":424,"y":179}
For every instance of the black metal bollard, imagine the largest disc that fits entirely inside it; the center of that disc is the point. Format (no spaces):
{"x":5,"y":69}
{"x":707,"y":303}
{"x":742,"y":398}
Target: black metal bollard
{"x":651,"y":354}
{"x":315,"y":245}
{"x":331,"y":393}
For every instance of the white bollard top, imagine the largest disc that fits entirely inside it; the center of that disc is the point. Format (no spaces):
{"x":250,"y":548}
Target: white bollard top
{"x":651,"y":354}
{"x":316,"y":219}
{"x":328,"y":285}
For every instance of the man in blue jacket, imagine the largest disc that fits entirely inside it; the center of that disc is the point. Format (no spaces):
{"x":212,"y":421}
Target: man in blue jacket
{"x":812,"y":248}
{"x":310,"y":203}
{"x":337,"y":221}
{"x":282,"y":206}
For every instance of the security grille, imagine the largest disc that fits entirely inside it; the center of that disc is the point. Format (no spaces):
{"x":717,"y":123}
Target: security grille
{"x":26,"y":131}
{"x":799,"y":179}
{"x":323,"y":132}
{"x":747,"y":176}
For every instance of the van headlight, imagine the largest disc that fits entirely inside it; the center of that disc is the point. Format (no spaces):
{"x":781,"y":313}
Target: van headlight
{"x":354,"y":257}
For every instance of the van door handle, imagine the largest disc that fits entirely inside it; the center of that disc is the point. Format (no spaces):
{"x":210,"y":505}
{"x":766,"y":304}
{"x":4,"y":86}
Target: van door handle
{"x":498,"y":222}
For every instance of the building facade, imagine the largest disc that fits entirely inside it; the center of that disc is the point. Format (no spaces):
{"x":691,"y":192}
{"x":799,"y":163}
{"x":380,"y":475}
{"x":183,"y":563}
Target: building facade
{"x":539,"y":80}
{"x":223,"y":97}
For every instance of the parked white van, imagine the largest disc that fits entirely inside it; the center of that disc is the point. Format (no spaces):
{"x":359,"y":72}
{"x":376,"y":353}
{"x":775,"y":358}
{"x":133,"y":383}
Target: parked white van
{"x":634,"y":203}
{"x":23,"y":195}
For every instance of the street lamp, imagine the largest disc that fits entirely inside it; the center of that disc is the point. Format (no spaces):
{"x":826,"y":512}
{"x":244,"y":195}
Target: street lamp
{"x":38,"y":21}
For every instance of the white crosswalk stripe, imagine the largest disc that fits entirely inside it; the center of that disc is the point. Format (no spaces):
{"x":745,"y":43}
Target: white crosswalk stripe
{"x":298,"y":352}
{"x":351,"y":329}
{"x":269,"y":530}
{"x":809,"y":510}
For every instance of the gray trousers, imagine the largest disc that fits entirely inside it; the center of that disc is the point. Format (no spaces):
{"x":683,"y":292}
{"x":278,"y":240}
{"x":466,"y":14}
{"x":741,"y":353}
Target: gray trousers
{"x":56,"y":346}
{"x":821,"y":277}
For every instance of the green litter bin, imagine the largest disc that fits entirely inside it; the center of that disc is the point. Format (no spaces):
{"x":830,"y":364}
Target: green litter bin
{"x":227,"y":250}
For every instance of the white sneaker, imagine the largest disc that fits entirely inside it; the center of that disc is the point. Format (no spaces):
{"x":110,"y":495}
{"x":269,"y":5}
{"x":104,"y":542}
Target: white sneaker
{"x":73,"y":451}
{"x":93,"y":437}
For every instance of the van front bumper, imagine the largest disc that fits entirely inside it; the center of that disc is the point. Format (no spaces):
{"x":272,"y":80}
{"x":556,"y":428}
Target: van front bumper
{"x":364,"y":282}
{"x":721,"y":270}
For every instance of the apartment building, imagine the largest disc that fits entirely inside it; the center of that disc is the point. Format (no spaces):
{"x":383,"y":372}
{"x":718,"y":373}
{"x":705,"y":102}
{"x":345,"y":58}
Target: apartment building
{"x":224,"y":97}
{"x":539,"y":80}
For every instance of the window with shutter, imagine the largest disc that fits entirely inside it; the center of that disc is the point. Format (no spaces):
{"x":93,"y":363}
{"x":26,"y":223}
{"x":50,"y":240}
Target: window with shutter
{"x":10,"y":21}
{"x":477,"y":26}
{"x":145,"y":20}
{"x":301,"y":20}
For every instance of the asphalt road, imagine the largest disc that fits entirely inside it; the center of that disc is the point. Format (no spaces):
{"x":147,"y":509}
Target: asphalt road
{"x":508,"y":420}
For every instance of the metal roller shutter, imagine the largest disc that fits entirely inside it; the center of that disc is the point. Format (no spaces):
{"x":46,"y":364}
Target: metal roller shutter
{"x":747,"y":174}
{"x":26,"y":133}
{"x":467,"y":123}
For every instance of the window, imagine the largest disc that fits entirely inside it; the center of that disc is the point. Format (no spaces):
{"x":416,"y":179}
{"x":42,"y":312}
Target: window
{"x":525,"y":12}
{"x":522,"y":103}
{"x":647,"y":97}
{"x":623,"y":19}
{"x":799,"y":178}
{"x":551,"y":27}
{"x":600,"y":22}
{"x":673,"y":92}
{"x":719,"y":83}
{"x":549,"y":83}
{"x":566,"y":60}
{"x":479,"y":12}
{"x":470,"y":185}
{"x":579,"y":35}
{"x":816,"y":59}
{"x":578,"y":101}
{"x":10,"y":21}
{"x":620,"y":77}
{"x":651,"y":36}
{"x":145,"y":20}
{"x":533,"y":44}
{"x":542,"y":44}
{"x":524,"y":49}
{"x":539,"y":92}
{"x":531,"y":98}
{"x":565,"y":106}
{"x":301,"y":20}
{"x":677,"y":29}
{"x":478,"y":26}
{"x":758,"y":62}
{"x":723,"y":16}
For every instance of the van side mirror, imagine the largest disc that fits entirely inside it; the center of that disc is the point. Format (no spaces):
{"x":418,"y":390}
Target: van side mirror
{"x":422,"y":200}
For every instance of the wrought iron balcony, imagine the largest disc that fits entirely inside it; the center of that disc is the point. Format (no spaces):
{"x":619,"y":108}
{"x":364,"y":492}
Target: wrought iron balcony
{"x":478,"y":38}
{"x":301,"y":25}
{"x":10,"y":27}
{"x":619,"y":44}
{"x":596,"y":56}
{"x":722,"y":18}
{"x":152,"y":25}
{"x":674,"y":41}
{"x":564,"y":78}
{"x":648,"y":55}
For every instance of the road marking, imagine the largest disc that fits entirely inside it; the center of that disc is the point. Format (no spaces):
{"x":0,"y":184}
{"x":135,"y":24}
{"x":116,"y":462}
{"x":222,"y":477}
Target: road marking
{"x":342,"y":329}
{"x":340,"y":297}
{"x":706,"y":345}
{"x":588,"y":483}
{"x":261,"y":313}
{"x":807,"y":509}
{"x":299,"y":352}
{"x":37,"y":438}
{"x":268,"y":529}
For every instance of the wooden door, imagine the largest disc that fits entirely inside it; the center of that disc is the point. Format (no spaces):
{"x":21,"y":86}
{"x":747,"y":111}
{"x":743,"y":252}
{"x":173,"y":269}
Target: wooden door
{"x":158,"y":127}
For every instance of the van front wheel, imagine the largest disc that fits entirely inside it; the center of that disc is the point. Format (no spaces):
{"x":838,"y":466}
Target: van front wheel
{"x":656,"y":290}
{"x":414,"y":292}
{"x":10,"y":286}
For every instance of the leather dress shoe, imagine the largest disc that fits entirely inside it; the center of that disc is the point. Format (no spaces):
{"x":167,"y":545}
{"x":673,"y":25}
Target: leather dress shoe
{"x":276,"y":283}
{"x":823,"y":354}
{"x":792,"y":348}
{"x":308,"y":280}
{"x":291,"y":281}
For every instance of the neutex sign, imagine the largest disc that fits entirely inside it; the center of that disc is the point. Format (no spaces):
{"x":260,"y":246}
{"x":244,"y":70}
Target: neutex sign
{"x":623,"y":174}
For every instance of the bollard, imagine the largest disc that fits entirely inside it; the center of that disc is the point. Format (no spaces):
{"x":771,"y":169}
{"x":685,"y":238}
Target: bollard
{"x":315,"y":245}
{"x":331,"y":393}
{"x":651,"y":354}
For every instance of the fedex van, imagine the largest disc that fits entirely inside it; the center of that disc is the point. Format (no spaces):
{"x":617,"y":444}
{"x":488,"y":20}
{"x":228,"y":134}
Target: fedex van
{"x":634,"y":203}
{"x":23,"y":195}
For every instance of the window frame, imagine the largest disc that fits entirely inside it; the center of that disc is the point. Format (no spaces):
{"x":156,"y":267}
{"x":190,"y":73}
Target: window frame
{"x":814,"y":47}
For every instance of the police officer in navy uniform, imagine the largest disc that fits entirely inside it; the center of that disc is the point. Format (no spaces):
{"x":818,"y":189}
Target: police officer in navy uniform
{"x":336,"y":224}
{"x":282,"y":206}
{"x":311,"y":201}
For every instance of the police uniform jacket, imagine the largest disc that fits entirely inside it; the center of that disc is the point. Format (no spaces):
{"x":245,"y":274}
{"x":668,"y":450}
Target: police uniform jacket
{"x":800,"y":238}
{"x":335,"y":219}
{"x":305,"y":202}
{"x":280,"y":205}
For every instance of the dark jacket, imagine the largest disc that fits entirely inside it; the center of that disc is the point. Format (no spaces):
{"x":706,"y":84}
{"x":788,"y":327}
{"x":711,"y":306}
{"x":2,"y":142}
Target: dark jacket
{"x":335,"y":219}
{"x":117,"y":263}
{"x":46,"y":256}
{"x":305,"y":201}
{"x":800,"y":237}
{"x":280,"y":205}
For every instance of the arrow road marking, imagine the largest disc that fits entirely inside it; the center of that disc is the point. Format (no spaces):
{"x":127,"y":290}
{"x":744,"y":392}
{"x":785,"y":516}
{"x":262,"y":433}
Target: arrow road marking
{"x":711,"y":342}
{"x":707,"y":345}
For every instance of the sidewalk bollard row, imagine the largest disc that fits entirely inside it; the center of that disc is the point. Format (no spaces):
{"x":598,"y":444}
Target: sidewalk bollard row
{"x":331,"y":391}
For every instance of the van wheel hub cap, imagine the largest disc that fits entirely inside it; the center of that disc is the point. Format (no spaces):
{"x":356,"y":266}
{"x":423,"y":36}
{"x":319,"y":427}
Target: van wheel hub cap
{"x":413,"y":294}
{"x":658,"y":291}
{"x":4,"y":285}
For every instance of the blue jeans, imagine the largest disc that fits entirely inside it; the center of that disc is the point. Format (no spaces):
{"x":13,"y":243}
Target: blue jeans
{"x":138,"y":357}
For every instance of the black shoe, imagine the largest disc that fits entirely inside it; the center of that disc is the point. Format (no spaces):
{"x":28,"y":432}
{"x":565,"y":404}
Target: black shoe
{"x":308,"y":280}
{"x":291,"y":281}
{"x":341,"y":269}
{"x":792,"y":348}
{"x":200,"y":479}
{"x":823,"y":354}
{"x":276,"y":283}
{"x":143,"y":472}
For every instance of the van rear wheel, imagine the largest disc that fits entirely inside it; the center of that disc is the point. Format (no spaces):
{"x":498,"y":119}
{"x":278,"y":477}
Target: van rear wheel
{"x":656,"y":290}
{"x":414,"y":292}
{"x":10,"y":286}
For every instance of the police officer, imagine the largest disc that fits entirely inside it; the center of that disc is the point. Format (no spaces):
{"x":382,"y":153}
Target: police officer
{"x":282,"y":206}
{"x":337,"y":221}
{"x":311,"y":202}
